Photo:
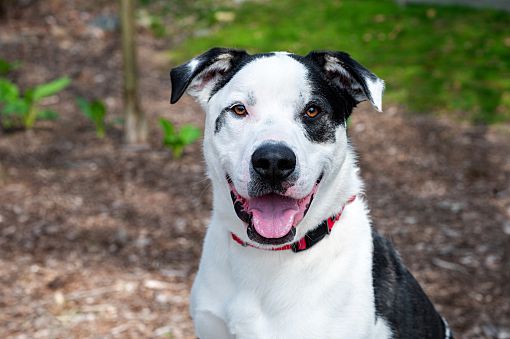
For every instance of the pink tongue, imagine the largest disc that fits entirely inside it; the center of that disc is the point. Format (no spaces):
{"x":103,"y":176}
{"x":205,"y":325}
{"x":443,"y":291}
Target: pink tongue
{"x":273,"y":215}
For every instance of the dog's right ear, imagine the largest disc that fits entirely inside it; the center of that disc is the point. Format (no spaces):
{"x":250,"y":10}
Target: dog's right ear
{"x":199,"y":75}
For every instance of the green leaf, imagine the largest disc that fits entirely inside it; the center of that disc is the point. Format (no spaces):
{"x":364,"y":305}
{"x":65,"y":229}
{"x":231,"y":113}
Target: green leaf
{"x":50,"y":88}
{"x":29,"y":96}
{"x":47,"y":115}
{"x":98,"y":110}
{"x":8,"y":91}
{"x":189,"y":134}
{"x":171,"y":140}
{"x":16,"y":107}
{"x":6,"y":67}
{"x":98,"y":113}
{"x":167,"y":126}
{"x":177,"y":140}
{"x":84,"y":106}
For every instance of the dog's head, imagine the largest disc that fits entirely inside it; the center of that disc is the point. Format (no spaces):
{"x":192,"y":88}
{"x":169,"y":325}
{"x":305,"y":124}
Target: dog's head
{"x":275,"y":131}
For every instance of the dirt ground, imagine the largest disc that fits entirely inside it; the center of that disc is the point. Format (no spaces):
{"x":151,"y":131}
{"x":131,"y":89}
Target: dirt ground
{"x":98,"y":240}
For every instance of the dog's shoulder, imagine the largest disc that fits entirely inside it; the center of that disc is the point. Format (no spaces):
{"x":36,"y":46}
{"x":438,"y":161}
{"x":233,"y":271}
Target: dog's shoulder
{"x":399,"y":299}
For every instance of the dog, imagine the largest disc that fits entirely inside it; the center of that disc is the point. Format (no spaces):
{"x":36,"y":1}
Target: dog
{"x":290,"y":251}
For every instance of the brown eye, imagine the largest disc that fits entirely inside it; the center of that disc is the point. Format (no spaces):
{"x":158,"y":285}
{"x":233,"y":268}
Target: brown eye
{"x":239,"y":110}
{"x":313,"y":111}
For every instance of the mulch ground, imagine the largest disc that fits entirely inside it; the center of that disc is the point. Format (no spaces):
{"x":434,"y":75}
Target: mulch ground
{"x":101,"y":240}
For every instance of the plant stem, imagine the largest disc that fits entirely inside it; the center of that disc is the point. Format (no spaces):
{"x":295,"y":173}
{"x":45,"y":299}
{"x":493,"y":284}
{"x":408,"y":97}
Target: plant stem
{"x":30,"y":118}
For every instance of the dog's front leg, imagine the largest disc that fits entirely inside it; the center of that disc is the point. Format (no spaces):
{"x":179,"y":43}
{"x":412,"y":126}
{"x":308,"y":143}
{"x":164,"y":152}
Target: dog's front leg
{"x":209,"y":326}
{"x":246,"y":320}
{"x":244,"y":325}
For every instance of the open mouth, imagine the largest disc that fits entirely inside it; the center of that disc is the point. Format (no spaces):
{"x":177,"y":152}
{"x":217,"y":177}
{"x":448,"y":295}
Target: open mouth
{"x":271,"y":218}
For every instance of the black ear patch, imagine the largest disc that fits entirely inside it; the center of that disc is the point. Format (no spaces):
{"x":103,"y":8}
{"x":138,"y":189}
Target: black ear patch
{"x":347,"y":74}
{"x":202,"y":72}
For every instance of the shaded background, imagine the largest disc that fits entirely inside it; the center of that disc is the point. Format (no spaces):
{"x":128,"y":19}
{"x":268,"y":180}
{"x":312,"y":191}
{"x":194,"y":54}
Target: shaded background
{"x":98,"y":239}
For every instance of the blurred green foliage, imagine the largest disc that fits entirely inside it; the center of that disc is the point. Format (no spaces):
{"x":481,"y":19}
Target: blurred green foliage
{"x":95,"y":111}
{"x":434,"y":59}
{"x":177,"y":139}
{"x":21,"y":111}
{"x":176,"y":18}
{"x":6,"y":66}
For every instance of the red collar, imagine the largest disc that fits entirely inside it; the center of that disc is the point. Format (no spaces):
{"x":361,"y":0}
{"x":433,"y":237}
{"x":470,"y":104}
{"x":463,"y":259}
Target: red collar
{"x":311,"y":237}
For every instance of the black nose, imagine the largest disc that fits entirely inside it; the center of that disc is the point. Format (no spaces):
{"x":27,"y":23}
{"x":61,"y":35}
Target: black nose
{"x":273,"y":162}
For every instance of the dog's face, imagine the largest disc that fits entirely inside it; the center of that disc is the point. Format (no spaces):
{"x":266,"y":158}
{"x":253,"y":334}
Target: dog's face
{"x":275,"y":129}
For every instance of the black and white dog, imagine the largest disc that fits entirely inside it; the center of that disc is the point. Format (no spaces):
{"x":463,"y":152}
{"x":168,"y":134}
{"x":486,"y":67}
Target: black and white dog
{"x":290,"y":251}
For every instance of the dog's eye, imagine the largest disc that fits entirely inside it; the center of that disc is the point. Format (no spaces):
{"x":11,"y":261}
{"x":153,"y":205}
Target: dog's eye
{"x":239,"y":110}
{"x":312,"y":111}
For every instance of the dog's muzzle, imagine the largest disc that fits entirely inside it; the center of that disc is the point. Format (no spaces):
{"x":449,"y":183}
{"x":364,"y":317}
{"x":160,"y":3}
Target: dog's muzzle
{"x":271,"y":218}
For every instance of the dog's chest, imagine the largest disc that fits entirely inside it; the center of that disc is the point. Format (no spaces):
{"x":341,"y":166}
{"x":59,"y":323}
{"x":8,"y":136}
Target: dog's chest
{"x":301,"y":313}
{"x":288,"y":295}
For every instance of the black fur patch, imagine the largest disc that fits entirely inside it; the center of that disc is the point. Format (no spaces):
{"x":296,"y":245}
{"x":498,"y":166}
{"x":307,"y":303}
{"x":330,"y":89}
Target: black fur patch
{"x":182,"y":75}
{"x":354,"y":77}
{"x":220,"y":121}
{"x":336,"y":104}
{"x":399,"y":299}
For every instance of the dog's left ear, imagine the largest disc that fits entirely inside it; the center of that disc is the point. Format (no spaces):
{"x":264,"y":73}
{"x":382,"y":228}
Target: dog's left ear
{"x":346,"y":73}
{"x":199,"y":75}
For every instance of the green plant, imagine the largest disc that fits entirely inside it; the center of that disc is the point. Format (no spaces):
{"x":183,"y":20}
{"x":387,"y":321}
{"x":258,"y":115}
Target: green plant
{"x":95,"y":110}
{"x":6,"y":66}
{"x":22,"y":111}
{"x":176,"y":139}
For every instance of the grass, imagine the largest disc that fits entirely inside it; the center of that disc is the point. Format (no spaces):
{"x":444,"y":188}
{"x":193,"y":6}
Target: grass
{"x":434,"y":59}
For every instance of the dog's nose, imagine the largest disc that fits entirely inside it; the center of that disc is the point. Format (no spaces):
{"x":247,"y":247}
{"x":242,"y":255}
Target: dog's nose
{"x":273,"y":162}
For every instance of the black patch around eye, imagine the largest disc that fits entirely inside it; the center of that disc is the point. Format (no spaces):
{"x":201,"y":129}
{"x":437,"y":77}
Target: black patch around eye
{"x":340,"y":104}
{"x":320,"y":130}
{"x":335,"y":108}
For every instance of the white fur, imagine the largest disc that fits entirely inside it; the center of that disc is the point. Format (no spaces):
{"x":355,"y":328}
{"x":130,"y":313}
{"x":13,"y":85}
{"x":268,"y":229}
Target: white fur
{"x":193,"y":64}
{"x":242,"y":292}
{"x":376,"y":89}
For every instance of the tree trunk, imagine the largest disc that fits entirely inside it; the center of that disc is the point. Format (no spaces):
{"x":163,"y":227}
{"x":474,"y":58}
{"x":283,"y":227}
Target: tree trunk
{"x":135,"y":129}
